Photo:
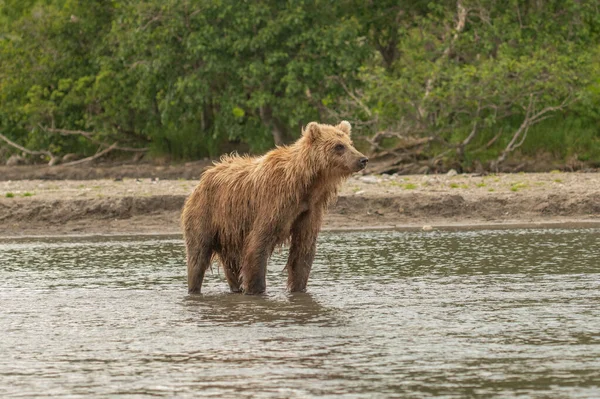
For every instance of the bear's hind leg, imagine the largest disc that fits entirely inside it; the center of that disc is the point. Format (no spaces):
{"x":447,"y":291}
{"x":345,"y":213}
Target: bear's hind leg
{"x":199,"y":254}
{"x":231,"y":268}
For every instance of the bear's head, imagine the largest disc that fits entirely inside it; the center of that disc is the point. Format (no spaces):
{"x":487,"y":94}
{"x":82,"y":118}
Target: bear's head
{"x":331,"y":148}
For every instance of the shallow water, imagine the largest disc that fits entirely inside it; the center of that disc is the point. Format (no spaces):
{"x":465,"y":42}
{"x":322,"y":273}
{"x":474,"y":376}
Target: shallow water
{"x":388,"y":314}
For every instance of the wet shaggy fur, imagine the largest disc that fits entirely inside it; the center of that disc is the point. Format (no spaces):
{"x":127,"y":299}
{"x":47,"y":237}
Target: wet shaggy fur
{"x":245,"y":206}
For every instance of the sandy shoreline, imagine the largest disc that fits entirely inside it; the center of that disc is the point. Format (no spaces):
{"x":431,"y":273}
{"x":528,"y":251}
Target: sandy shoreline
{"x":150,"y":206}
{"x":476,"y":225}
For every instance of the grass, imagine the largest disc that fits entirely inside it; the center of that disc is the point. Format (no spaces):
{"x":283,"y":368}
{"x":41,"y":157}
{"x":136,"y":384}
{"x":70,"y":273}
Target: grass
{"x":9,"y":195}
{"x":558,"y":181}
{"x":482,"y":184}
{"x":517,"y":186}
{"x":456,"y":185}
{"x":406,"y":186}
{"x":27,"y":194}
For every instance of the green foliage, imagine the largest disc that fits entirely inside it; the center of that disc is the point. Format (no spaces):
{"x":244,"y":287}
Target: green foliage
{"x":501,"y":67}
{"x":182,"y":77}
{"x":186,"y":79}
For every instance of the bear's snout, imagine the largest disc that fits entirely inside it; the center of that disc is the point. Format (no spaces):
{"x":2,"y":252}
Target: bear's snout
{"x":363,"y":162}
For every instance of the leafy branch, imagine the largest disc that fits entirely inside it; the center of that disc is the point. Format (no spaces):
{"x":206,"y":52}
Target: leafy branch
{"x":531,"y":118}
{"x":27,"y":151}
{"x":90,"y":137}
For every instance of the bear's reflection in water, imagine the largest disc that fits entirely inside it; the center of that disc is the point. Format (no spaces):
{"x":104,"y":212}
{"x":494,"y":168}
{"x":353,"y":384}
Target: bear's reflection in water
{"x":272,"y":310}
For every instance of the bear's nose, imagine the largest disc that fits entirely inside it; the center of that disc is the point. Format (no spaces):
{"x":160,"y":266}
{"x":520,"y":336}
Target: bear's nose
{"x":363,"y":161}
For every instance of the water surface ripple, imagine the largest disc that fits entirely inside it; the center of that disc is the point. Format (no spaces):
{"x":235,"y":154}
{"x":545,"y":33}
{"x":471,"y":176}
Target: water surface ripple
{"x":388,"y":314}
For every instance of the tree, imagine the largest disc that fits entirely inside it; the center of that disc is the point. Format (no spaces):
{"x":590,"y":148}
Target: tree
{"x":428,"y":85}
{"x":473,"y":77}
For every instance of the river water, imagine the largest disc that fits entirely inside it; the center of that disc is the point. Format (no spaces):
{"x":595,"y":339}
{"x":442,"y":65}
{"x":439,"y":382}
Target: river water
{"x":389,"y":314}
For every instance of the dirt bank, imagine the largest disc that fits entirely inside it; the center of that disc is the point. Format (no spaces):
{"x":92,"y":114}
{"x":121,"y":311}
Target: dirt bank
{"x":189,"y":170}
{"x":46,"y":207}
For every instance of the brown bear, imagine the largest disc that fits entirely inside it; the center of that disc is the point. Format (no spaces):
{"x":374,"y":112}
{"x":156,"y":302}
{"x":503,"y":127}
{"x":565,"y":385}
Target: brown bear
{"x":245,"y":206}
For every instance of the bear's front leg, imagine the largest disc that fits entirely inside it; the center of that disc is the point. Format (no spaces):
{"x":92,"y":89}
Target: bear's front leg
{"x":302,"y":249}
{"x":254,"y":262}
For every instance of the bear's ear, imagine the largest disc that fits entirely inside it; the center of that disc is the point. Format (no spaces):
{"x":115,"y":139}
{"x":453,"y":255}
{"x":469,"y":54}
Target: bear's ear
{"x":345,"y":127}
{"x":312,"y":132}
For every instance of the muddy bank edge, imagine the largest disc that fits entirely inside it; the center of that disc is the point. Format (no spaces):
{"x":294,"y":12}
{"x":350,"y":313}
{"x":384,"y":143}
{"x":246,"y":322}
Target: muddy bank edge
{"x":160,"y":213}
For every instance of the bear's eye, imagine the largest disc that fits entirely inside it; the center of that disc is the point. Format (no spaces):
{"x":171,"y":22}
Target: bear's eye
{"x":340,"y":147}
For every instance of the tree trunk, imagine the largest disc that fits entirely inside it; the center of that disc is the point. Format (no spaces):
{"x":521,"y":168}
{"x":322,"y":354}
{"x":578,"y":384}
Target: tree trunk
{"x":277,"y":128}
